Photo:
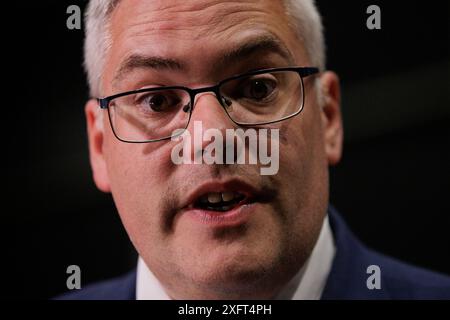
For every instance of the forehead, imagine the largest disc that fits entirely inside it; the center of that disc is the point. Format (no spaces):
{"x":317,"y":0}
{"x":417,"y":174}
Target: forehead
{"x":171,"y":26}
{"x":194,"y":18}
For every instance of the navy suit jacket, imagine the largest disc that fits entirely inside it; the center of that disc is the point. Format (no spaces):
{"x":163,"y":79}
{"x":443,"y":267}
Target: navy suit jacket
{"x":347,"y":279}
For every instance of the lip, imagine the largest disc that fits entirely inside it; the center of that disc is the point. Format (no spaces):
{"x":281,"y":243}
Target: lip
{"x":235,"y":185}
{"x":231,"y":218}
{"x":235,"y":216}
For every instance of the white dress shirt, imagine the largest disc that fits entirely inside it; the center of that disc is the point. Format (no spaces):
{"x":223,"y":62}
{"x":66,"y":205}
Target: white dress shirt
{"x":307,"y":284}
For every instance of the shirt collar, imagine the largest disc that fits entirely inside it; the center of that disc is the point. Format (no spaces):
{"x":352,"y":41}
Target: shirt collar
{"x":307,"y":284}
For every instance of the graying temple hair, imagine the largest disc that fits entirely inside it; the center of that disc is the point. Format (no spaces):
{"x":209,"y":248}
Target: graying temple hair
{"x":304,"y":16}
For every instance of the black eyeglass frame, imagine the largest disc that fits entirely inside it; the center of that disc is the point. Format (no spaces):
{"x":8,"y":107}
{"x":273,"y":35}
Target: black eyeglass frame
{"x":302,"y":72}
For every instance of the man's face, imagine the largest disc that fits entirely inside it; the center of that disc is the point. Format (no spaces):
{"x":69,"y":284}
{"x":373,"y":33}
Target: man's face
{"x":274,"y":233}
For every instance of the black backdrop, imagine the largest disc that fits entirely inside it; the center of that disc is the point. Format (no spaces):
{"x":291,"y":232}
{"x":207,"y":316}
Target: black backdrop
{"x":392,"y":185}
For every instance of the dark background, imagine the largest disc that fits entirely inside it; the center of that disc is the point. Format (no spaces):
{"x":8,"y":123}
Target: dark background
{"x":392,"y":185}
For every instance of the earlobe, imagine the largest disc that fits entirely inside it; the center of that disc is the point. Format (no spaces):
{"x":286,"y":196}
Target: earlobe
{"x":96,"y":135}
{"x":331,"y":117}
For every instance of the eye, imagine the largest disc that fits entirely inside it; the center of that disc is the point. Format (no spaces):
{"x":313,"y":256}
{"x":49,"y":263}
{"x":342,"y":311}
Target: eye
{"x":158,"y":101}
{"x":258,"y":88}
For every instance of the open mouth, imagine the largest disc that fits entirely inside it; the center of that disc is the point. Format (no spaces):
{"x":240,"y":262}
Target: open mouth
{"x":220,"y":201}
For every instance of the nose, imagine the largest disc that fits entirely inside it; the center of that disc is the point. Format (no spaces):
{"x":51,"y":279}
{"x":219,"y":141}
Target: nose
{"x":207,"y":114}
{"x":208,"y":109}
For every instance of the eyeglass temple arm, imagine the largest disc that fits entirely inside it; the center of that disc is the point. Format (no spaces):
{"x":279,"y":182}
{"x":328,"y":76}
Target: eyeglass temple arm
{"x":103,"y":102}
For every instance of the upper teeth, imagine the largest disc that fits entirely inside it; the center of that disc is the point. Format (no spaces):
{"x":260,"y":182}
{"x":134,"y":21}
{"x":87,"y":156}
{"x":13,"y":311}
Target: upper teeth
{"x":216,"y":197}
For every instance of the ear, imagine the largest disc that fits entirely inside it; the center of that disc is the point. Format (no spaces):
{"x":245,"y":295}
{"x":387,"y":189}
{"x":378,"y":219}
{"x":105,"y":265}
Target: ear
{"x":331,"y":116}
{"x":95,"y":129}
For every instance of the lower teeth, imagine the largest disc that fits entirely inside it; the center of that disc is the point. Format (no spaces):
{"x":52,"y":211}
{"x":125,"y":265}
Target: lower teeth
{"x":225,"y":208}
{"x":221,"y":208}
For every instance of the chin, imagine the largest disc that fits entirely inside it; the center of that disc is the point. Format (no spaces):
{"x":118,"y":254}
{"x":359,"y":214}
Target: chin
{"x":236,"y":264}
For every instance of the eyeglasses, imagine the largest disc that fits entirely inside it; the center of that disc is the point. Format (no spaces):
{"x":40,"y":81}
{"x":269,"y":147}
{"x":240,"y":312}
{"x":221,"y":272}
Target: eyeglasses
{"x":251,"y":99}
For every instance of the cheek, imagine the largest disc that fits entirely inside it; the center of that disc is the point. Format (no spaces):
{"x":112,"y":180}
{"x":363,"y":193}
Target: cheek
{"x":300,"y":143}
{"x":138,"y":176}
{"x":302,"y":159}
{"x":304,"y":167}
{"x":135,"y":166}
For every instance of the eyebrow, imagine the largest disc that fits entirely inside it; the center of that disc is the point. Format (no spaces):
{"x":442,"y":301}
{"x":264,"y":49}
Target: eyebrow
{"x":259,"y":45}
{"x":137,"y":61}
{"x":262,"y":44}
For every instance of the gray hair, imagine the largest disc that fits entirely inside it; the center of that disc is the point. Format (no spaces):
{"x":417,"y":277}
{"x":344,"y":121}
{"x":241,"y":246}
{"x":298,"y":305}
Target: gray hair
{"x":305,"y":18}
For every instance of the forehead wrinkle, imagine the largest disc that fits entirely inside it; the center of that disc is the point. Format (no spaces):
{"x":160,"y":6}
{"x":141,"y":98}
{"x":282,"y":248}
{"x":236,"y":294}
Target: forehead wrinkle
{"x":195,"y":21}
{"x":226,"y":22}
{"x":200,"y":8}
